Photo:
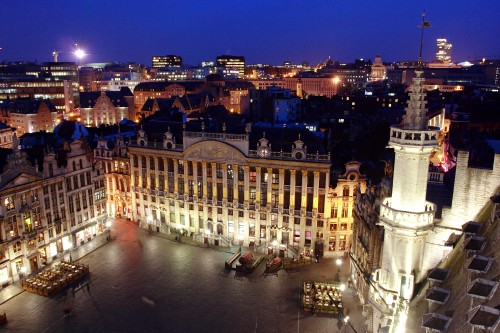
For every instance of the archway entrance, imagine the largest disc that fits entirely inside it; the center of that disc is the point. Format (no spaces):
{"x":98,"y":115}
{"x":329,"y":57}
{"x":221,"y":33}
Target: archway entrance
{"x":210,"y":225}
{"x":220,"y":229}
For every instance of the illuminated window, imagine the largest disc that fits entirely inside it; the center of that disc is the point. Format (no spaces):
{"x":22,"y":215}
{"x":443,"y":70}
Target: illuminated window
{"x":9,"y":203}
{"x":331,"y":243}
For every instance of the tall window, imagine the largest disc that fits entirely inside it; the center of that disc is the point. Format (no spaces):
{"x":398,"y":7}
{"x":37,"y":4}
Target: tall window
{"x":28,"y":224}
{"x":253,"y":195}
{"x":253,"y":174}
{"x":345,"y":209}
{"x":241,"y":173}
{"x":335,"y":209}
{"x":276,"y":176}
{"x":345,"y":191}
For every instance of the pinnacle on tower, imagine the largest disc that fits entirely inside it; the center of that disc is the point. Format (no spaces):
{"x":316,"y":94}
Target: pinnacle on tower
{"x":416,"y":111}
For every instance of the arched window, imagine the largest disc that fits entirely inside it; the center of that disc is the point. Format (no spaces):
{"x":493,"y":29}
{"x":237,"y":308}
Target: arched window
{"x":345,"y":191}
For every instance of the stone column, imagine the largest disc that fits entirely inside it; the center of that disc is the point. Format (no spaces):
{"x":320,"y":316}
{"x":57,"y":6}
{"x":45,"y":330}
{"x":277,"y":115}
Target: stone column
{"x":214,"y":184}
{"x":139,"y":162}
{"x":224,"y":181}
{"x":269,"y":185}
{"x":257,"y":185}
{"x":148,"y":172}
{"x":186,"y":179}
{"x":235,"y":182}
{"x":165,"y":175}
{"x":316,"y":190}
{"x":195,"y":180}
{"x":303,"y":202}
{"x":281,"y":187}
{"x":246,"y":188}
{"x":157,"y":173}
{"x":176,"y":175}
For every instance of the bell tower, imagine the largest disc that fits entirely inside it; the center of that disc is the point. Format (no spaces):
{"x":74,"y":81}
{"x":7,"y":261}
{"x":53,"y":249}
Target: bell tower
{"x":406,"y":216}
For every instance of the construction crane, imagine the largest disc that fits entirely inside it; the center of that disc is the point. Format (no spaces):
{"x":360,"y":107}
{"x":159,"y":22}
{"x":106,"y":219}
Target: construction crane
{"x":55,"y":54}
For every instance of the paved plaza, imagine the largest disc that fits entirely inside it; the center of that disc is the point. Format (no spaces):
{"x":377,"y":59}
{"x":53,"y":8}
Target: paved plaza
{"x":140,"y":282}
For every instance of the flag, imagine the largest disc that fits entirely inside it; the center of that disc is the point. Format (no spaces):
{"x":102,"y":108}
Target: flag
{"x":426,"y":24}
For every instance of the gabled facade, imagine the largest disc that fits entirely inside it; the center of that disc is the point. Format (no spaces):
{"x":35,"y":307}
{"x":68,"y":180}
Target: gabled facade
{"x":28,"y":115}
{"x":98,"y":108}
{"x":113,"y":158}
{"x":44,"y":212}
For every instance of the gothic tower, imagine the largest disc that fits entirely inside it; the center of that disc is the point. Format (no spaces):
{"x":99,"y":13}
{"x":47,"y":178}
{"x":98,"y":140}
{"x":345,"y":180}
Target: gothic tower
{"x":406,"y":217}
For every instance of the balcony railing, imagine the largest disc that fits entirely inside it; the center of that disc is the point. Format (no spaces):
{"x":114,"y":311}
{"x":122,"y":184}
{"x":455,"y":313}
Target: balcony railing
{"x":405,"y":219}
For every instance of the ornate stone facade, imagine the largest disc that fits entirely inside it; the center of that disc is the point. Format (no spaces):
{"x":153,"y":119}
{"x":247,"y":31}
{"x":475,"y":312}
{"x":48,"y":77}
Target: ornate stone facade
{"x":213,"y":184}
{"x":45,"y":213}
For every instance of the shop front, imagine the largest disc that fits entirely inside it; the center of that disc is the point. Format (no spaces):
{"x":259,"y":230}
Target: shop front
{"x":4,"y":275}
{"x":18,"y":269}
{"x":86,"y":234}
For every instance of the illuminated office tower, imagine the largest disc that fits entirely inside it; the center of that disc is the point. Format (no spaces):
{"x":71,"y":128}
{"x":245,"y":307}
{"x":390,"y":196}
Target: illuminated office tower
{"x":166,"y":61}
{"x":232,"y":62}
{"x":443,"y":52}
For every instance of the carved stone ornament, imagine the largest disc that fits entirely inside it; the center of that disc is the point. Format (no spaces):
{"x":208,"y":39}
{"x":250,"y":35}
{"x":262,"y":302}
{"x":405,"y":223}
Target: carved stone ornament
{"x":215,"y":152}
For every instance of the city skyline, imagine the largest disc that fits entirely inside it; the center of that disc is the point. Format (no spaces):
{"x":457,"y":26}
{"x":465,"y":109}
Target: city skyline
{"x":263,"y":32}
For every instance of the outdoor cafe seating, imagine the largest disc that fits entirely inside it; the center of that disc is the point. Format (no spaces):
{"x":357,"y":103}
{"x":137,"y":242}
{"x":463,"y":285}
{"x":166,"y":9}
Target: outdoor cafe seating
{"x":322,"y":297}
{"x":52,"y":280}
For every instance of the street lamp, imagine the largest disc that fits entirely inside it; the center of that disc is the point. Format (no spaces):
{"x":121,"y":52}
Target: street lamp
{"x":346,"y":320}
{"x":338,"y":262}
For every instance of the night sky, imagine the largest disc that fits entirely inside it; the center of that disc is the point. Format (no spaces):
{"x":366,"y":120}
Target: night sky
{"x":264,"y":31}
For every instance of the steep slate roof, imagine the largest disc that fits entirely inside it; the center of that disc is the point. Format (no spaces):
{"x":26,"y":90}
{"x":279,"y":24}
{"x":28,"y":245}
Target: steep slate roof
{"x":163,"y":103}
{"x":162,"y":85}
{"x":88,"y":99}
{"x":25,"y":106}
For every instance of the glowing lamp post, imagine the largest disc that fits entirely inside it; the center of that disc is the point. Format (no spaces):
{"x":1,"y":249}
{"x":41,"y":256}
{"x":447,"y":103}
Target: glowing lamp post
{"x":338,"y":262}
{"x":346,"y":320}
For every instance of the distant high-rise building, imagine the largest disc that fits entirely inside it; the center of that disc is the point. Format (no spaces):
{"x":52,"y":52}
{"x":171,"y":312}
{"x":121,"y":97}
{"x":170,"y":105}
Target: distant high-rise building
{"x":232,"y":62}
{"x":166,"y":61}
{"x":443,"y":52}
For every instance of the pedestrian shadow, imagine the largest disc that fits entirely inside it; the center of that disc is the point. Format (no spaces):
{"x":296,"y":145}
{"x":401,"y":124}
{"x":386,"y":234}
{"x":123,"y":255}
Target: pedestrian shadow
{"x":244,"y":276}
{"x":267,"y":273}
{"x":225,"y":272}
